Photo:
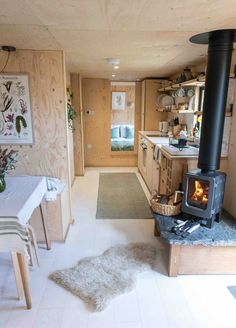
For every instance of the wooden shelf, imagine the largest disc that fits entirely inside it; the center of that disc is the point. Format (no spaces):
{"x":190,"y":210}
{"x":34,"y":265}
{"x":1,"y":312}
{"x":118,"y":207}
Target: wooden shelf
{"x":198,"y":82}
{"x":182,"y":111}
{"x":162,"y":109}
{"x":227,"y":114}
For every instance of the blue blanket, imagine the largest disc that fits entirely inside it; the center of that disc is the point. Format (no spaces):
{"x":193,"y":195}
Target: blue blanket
{"x":122,"y":144}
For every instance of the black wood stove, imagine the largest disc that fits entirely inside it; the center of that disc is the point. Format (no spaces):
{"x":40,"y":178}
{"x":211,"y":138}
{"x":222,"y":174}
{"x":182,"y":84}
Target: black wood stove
{"x":203,"y":195}
{"x":204,"y":188}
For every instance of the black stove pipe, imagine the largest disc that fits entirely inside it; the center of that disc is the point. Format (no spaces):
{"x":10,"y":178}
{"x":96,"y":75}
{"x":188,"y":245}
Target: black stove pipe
{"x":216,"y":88}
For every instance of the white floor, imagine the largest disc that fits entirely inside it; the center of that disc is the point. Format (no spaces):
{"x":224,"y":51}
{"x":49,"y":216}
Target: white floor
{"x":157,"y":301}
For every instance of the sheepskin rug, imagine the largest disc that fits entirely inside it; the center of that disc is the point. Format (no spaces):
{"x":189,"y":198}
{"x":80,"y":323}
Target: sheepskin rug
{"x":99,"y":279}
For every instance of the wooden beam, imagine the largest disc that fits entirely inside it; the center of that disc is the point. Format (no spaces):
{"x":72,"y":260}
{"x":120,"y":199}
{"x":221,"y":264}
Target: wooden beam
{"x":76,"y":85}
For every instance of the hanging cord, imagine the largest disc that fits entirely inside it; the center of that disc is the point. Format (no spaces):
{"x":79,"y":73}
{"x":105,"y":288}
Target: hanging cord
{"x":8,"y":55}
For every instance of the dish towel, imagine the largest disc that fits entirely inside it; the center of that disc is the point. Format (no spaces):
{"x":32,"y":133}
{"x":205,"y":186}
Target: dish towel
{"x":55,"y":187}
{"x":156,"y":152}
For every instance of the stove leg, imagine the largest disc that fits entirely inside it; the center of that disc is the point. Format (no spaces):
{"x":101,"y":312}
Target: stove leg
{"x":218,"y":217}
{"x":214,"y":218}
{"x":210,"y":222}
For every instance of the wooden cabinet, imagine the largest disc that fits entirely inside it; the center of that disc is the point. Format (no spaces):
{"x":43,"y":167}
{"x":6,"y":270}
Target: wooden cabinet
{"x":142,"y":157}
{"x":171,"y":174}
{"x":150,"y":117}
{"x":147,"y":166}
{"x":155,"y":176}
{"x":165,"y":175}
{"x":150,"y":148}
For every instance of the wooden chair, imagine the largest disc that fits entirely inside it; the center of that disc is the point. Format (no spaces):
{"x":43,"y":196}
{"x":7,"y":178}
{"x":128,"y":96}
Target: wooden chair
{"x":17,"y":240}
{"x":20,"y":267}
{"x":22,"y":277}
{"x":32,"y":242}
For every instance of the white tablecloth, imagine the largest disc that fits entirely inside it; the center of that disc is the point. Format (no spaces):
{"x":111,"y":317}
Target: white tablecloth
{"x":17,"y":203}
{"x":21,"y":196}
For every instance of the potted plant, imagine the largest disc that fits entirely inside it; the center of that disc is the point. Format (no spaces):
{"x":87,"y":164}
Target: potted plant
{"x":8,"y":158}
{"x":71,"y":113}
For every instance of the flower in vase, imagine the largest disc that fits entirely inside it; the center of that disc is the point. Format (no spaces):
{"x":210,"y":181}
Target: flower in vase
{"x":8,"y":158}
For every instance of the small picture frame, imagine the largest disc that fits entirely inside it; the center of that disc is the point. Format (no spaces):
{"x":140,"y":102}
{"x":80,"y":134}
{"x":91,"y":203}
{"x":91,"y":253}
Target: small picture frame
{"x":118,"y":100}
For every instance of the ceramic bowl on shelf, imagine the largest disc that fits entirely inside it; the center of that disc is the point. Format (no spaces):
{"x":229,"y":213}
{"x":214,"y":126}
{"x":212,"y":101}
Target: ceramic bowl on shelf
{"x":167,"y":101}
{"x":190,"y":93}
{"x":180,"y":92}
{"x":158,"y":99}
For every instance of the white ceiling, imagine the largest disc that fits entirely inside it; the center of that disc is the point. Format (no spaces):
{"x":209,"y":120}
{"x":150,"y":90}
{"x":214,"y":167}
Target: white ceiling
{"x":149,"y":36}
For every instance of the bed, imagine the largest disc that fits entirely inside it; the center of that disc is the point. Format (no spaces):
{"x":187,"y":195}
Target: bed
{"x":122,"y":137}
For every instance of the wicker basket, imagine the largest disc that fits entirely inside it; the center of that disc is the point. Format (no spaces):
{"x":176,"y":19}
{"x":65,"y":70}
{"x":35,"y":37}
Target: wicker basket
{"x":164,"y":209}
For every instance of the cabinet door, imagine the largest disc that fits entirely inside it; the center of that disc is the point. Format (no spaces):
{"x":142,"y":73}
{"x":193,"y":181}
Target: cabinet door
{"x":140,"y":156}
{"x":149,"y":163}
{"x":163,"y":175}
{"x":155,"y":176}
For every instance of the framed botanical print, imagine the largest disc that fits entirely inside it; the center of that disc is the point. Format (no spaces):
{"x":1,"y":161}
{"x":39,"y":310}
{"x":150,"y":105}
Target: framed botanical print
{"x":15,"y":110}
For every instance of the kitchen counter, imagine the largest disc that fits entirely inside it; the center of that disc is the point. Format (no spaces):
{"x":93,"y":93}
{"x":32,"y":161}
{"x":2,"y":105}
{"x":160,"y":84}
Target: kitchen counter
{"x":155,"y":137}
{"x":191,"y":152}
{"x":172,"y":152}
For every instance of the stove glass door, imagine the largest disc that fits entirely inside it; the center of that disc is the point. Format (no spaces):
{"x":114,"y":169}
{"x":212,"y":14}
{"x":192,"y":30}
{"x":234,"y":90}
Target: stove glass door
{"x":198,"y":191}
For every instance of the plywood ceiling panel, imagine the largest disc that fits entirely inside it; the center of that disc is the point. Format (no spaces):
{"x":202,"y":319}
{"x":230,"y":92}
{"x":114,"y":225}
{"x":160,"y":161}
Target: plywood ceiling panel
{"x":25,"y":37}
{"x":17,"y":12}
{"x":150,"y":37}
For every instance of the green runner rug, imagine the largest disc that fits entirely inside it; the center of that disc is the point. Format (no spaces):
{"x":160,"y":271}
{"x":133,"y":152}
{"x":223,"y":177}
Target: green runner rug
{"x":120,"y":196}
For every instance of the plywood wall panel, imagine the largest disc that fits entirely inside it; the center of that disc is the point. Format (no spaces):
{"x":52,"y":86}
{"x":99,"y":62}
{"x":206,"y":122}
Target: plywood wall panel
{"x":48,"y":156}
{"x":151,"y":116}
{"x":230,"y":190}
{"x":230,"y":193}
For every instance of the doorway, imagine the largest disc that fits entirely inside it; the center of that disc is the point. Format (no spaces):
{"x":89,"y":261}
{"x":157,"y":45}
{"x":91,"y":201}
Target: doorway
{"x":99,"y":118}
{"x":122,"y":116}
